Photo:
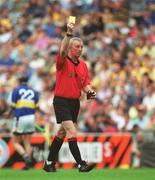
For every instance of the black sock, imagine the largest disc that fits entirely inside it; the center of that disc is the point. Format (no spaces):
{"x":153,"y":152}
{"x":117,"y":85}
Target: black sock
{"x":75,"y":150}
{"x":54,"y":149}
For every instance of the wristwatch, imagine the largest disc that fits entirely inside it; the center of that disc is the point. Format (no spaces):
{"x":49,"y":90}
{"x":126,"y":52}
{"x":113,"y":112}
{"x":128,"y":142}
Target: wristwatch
{"x":69,"y":35}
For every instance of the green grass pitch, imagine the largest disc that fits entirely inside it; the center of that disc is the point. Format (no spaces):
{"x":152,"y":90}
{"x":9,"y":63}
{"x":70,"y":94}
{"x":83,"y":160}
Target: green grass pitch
{"x":96,"y":174}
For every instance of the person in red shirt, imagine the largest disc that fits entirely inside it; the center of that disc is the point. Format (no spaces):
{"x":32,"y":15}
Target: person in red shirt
{"x":72,"y":77}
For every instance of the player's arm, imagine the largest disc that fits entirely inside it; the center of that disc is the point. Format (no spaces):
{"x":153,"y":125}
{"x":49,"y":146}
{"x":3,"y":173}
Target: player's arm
{"x":11,"y":104}
{"x":65,"y":42}
{"x":91,"y":94}
{"x":9,"y":112}
{"x":40,"y":111}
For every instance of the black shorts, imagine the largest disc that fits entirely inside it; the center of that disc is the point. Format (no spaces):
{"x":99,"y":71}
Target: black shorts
{"x":66,"y":109}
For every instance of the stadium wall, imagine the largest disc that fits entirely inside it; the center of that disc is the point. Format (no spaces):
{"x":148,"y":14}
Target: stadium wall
{"x":107,"y":151}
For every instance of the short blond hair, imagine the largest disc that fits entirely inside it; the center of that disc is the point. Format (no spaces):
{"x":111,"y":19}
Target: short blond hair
{"x":75,"y":39}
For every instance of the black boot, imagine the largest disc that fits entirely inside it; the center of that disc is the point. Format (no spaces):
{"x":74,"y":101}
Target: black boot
{"x":49,"y":166}
{"x":85,"y":167}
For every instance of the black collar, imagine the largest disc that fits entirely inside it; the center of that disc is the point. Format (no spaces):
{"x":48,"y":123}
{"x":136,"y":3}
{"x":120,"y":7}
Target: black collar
{"x":75,"y":63}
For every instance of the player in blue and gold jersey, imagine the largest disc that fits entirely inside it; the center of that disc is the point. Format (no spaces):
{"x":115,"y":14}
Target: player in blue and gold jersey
{"x":24,"y":102}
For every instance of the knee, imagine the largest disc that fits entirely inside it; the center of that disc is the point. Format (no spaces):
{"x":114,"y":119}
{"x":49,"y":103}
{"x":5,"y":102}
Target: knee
{"x":71,"y":133}
{"x":61,"y":134}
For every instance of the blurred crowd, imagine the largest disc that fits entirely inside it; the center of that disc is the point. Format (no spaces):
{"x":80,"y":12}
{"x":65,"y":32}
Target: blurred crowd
{"x":119,"y":48}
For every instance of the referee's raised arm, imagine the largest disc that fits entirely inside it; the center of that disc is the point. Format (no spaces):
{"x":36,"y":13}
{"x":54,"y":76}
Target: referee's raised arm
{"x":65,"y":42}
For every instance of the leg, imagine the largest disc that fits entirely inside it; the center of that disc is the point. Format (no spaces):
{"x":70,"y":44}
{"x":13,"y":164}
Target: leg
{"x":56,"y":145}
{"x":26,"y":140}
{"x":72,"y":134}
{"x":49,"y":165}
{"x":17,"y":139}
{"x":28,"y":150}
{"x":69,"y":128}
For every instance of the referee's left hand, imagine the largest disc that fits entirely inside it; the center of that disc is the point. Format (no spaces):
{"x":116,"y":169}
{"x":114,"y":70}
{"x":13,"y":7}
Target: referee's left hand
{"x":91,"y":94}
{"x":70,"y":28}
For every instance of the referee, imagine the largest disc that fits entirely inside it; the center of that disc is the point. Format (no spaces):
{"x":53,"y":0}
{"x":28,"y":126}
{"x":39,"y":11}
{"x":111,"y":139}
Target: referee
{"x":71,"y":78}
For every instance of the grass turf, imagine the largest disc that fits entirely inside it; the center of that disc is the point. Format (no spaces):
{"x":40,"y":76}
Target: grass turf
{"x":96,"y":174}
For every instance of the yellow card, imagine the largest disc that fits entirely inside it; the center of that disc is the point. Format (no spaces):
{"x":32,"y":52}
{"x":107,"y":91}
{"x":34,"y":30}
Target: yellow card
{"x":72,"y":19}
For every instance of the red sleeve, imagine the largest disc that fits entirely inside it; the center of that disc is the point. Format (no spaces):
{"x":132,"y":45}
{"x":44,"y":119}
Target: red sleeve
{"x":59,"y":62}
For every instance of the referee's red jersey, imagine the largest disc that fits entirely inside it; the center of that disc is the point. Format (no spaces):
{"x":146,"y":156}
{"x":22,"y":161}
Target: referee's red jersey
{"x":70,"y":77}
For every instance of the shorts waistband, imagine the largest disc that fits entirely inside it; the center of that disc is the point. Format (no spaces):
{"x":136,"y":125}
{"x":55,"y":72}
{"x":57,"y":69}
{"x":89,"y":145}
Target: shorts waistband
{"x":71,"y":99}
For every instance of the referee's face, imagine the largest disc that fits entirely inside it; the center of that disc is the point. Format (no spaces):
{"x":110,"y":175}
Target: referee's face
{"x":76,"y":49}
